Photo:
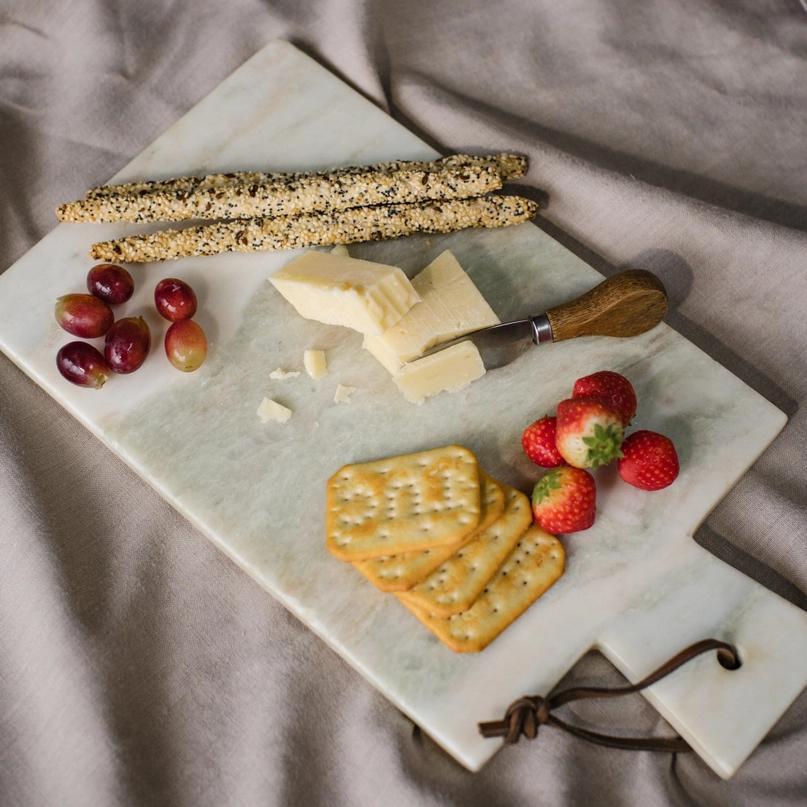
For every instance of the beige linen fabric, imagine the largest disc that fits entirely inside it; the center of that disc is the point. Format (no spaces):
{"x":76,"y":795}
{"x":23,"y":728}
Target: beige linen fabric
{"x":137,"y":664}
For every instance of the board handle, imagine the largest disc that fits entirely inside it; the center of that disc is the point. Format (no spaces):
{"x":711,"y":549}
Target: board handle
{"x":627,"y":304}
{"x":721,"y":712}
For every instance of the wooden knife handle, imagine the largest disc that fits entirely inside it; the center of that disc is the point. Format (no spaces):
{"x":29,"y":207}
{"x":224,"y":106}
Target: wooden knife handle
{"x":627,"y":304}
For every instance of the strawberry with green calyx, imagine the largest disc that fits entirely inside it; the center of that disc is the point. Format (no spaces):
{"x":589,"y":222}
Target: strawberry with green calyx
{"x":538,"y":442}
{"x":613,"y":389}
{"x":564,"y":500}
{"x":649,"y":461}
{"x":589,"y":433}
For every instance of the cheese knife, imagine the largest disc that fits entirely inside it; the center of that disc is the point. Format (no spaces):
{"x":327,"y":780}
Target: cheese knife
{"x":627,"y":304}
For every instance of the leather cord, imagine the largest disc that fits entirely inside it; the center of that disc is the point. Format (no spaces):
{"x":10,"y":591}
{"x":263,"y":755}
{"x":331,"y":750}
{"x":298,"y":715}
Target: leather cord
{"x":526,"y":715}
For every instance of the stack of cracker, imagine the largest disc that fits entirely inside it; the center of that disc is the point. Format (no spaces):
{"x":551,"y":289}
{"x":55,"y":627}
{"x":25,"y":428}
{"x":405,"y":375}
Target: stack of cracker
{"x":456,"y":547}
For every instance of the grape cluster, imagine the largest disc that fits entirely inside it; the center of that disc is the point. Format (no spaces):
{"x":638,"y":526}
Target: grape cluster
{"x":127,"y":341}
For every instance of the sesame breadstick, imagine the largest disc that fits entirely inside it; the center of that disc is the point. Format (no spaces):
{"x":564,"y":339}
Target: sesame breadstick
{"x":284,"y":197}
{"x":188,"y":183}
{"x":509,"y":166}
{"x":349,"y":226}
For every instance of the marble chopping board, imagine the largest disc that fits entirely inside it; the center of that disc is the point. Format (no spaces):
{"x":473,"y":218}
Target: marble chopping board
{"x":638,"y":588}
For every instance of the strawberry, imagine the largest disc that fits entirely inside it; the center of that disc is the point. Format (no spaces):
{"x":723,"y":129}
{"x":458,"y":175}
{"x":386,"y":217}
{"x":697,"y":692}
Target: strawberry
{"x":538,"y":442}
{"x":564,"y":500}
{"x":648,"y":461}
{"x":613,"y":389}
{"x":589,"y":433}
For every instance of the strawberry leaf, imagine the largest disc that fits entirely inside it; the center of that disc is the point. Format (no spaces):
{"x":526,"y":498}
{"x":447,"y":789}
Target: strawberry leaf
{"x":545,"y":486}
{"x":604,"y":446}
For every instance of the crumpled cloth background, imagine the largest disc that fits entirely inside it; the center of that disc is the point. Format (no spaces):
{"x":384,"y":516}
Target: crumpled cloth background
{"x":137,"y":664}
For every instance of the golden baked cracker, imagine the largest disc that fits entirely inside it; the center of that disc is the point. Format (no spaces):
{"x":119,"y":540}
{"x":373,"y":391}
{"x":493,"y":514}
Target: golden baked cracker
{"x":530,"y":569}
{"x":400,"y":504}
{"x":401,"y":572}
{"x":457,"y":583}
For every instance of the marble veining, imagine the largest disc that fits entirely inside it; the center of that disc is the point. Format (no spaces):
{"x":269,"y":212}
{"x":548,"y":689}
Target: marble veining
{"x":637,"y":586}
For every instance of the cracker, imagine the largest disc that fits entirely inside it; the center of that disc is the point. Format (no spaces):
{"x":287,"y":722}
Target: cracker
{"x":401,"y":504}
{"x":532,"y":567}
{"x":400,"y":572}
{"x":458,"y":582}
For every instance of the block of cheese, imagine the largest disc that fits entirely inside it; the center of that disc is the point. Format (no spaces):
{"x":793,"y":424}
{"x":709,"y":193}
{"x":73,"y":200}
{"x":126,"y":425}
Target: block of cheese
{"x":315,"y":363}
{"x":340,"y":290}
{"x":450,"y":306}
{"x":447,"y":370}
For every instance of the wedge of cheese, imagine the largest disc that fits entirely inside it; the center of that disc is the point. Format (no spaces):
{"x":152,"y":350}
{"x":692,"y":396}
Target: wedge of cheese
{"x":448,"y":370}
{"x":340,"y":290}
{"x":450,"y":306}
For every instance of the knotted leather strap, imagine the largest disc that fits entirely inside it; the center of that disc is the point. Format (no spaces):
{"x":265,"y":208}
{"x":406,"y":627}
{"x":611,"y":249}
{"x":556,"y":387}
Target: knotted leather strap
{"x":527,"y":714}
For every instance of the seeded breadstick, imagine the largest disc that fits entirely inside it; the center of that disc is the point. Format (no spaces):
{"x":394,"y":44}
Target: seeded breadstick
{"x":349,"y":226}
{"x":308,"y":194}
{"x":189,"y":183}
{"x":508,"y":166}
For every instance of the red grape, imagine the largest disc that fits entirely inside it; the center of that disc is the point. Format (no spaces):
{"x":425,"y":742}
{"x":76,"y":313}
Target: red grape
{"x":83,"y":315}
{"x":127,"y":344}
{"x":82,"y":364}
{"x":175,"y":299}
{"x":186,"y":345}
{"x":111,"y":283}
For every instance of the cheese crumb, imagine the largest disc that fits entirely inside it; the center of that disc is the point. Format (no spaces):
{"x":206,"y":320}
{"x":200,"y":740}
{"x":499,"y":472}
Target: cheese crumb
{"x":280,"y":374}
{"x":340,"y":249}
{"x":272,"y":410}
{"x":315,"y":363}
{"x":343,"y":393}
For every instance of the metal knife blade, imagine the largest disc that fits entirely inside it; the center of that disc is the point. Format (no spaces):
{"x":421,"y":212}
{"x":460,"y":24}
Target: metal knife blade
{"x":501,"y":344}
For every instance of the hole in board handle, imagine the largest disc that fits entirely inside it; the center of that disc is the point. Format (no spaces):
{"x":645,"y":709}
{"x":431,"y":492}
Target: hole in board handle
{"x":729,"y":659}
